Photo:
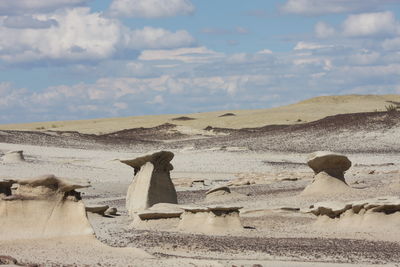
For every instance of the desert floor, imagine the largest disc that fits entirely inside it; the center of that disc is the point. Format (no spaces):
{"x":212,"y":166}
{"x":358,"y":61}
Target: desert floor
{"x":268,"y":168}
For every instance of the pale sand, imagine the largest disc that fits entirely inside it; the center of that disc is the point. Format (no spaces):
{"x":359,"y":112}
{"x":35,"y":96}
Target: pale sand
{"x":277,"y":232}
{"x":306,"y":111}
{"x":261,"y":212}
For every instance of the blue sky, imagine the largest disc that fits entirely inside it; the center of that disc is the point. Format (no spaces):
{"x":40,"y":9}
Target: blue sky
{"x":78,"y":59}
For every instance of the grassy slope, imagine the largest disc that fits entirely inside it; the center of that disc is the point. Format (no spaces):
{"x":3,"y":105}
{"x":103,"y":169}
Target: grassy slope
{"x":308,"y":110}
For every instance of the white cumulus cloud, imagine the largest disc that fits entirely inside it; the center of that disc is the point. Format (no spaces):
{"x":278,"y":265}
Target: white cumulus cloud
{"x":188,"y":55}
{"x":151,"y":8}
{"x":78,"y":34}
{"x":310,"y":46}
{"x":323,"y":30}
{"x":318,"y":7}
{"x":156,"y":38}
{"x":9,"y":7}
{"x":366,"y":24}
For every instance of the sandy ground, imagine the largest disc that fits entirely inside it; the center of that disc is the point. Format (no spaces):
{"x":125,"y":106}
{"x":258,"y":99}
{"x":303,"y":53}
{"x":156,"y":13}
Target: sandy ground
{"x":272,"y":237}
{"x":268,"y":165}
{"x":305,"y":111}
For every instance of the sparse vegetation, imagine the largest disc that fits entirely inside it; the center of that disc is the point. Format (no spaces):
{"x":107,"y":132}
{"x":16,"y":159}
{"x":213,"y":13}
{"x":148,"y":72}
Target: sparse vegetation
{"x":228,"y":114}
{"x":183,"y":118}
{"x":40,"y":128}
{"x":392,"y":108}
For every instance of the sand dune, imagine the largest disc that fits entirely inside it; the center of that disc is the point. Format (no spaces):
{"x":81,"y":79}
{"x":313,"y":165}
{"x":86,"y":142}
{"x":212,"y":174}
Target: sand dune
{"x":304,"y":111}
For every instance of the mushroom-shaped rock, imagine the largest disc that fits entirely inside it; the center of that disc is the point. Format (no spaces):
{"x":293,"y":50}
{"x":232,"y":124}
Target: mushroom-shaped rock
{"x":152,"y":182}
{"x":211,"y":219}
{"x":332,"y":163}
{"x":329,"y":171}
{"x":44,"y":207}
{"x":14,"y":156}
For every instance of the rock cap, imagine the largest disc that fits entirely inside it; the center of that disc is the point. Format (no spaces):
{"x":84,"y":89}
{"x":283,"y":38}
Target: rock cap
{"x":332,"y":163}
{"x":161,"y":159}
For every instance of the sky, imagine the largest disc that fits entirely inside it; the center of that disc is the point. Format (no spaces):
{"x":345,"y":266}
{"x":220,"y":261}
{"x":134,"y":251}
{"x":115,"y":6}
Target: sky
{"x":81,"y":59}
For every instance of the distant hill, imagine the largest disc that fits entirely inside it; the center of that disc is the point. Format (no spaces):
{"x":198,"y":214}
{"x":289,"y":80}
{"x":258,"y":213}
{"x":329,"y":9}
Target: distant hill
{"x":305,"y":111}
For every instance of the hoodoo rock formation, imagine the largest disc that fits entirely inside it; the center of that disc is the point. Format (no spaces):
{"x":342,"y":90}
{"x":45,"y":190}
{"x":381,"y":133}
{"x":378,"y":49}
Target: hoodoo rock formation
{"x":43,"y":207}
{"x":211,"y":219}
{"x":152,"y":182}
{"x":329,"y":169}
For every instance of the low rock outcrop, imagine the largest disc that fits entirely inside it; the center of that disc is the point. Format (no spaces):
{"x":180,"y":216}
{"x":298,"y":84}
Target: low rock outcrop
{"x":111,"y":211}
{"x":386,"y":205}
{"x":152,"y":182}
{"x":211,"y":219}
{"x":329,"y":169}
{"x":14,"y":156}
{"x":99,"y":209}
{"x":217,"y":192}
{"x":43,"y":207}
{"x":375,"y":214}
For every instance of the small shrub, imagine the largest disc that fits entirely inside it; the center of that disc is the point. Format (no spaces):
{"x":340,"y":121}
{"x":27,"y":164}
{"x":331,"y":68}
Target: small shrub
{"x":391,"y":108}
{"x":40,"y":128}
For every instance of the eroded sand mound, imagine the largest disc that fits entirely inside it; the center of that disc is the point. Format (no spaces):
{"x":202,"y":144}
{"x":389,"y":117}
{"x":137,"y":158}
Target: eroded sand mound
{"x":376,"y":215}
{"x":44,"y":207}
{"x":152,"y":183}
{"x":324,"y":184}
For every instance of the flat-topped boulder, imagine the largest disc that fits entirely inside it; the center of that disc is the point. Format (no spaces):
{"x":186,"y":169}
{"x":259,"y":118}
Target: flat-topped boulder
{"x":42,"y":207}
{"x":13,"y":156}
{"x":152,"y":182}
{"x":331,"y":163}
{"x":161,"y":211}
{"x":216,"y":219}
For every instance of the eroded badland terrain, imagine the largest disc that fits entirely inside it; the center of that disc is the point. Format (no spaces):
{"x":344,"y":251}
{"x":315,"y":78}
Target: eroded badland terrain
{"x":313,"y":183}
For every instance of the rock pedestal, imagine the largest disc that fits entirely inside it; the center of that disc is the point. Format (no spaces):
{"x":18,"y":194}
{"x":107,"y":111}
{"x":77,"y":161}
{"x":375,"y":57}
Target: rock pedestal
{"x":152,"y":182}
{"x":329,"y":169}
{"x":331,"y":163}
{"x":211,"y":219}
